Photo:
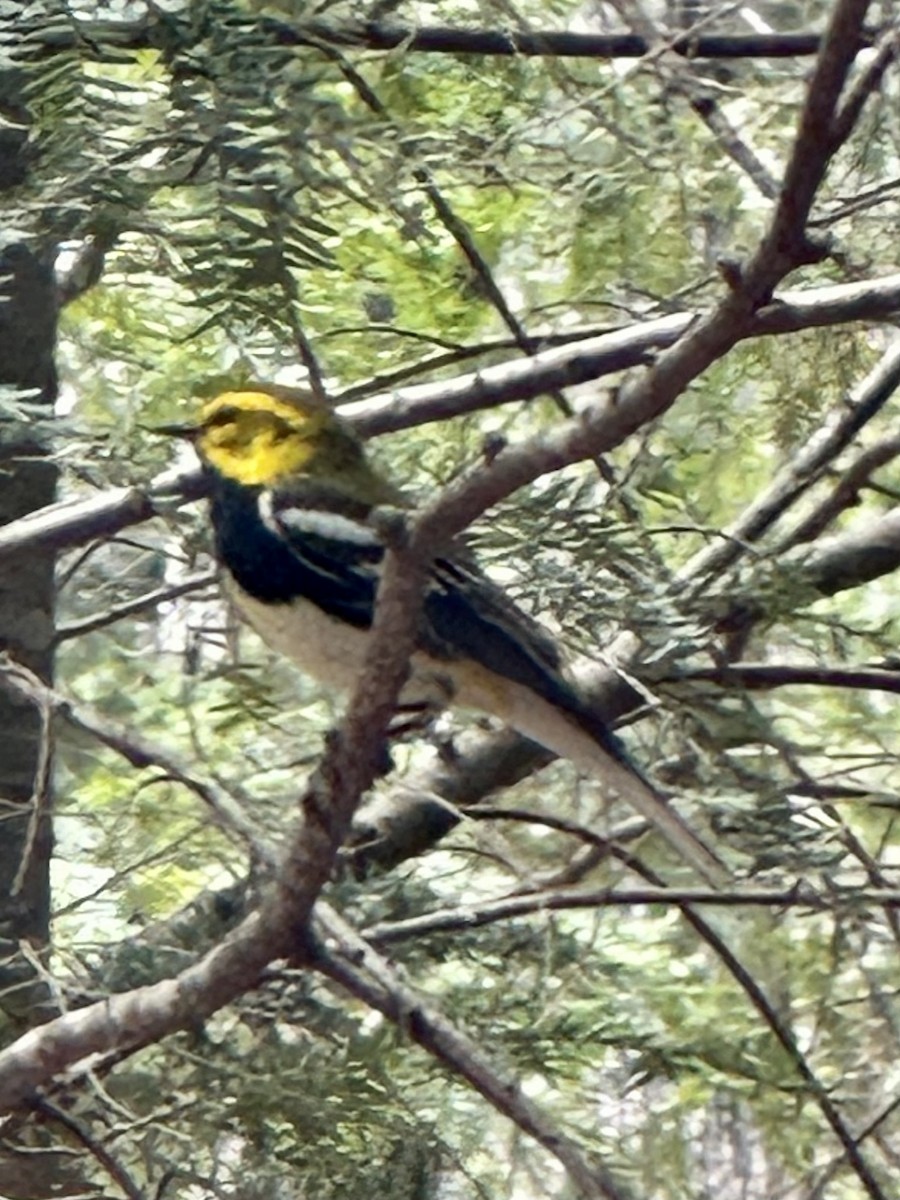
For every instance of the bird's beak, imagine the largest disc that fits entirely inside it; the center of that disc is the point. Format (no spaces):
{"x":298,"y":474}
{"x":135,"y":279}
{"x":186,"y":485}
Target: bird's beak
{"x":189,"y":432}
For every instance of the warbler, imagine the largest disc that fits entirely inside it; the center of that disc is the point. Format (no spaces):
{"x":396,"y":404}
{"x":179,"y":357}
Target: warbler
{"x":292,"y":492}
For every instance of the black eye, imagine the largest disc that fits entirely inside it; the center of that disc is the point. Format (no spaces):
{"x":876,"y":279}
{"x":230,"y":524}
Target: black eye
{"x":224,"y":416}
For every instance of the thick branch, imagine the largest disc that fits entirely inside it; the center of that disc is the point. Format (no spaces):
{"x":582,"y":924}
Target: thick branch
{"x":786,"y":244}
{"x":865,"y":552}
{"x":593,"y":358}
{"x":76,"y":521}
{"x":126,"y":1021}
{"x":153,"y":32}
{"x":144,"y":1015}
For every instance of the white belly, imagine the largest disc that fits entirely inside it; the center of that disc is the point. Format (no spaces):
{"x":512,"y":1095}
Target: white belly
{"x":327,"y":649}
{"x":330,"y":650}
{"x":334,"y":652}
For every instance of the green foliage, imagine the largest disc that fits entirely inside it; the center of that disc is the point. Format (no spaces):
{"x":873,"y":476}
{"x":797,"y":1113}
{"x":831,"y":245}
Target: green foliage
{"x":264,"y":207}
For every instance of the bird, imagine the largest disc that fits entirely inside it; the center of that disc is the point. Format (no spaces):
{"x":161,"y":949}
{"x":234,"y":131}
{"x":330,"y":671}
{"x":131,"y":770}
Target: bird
{"x":292,"y":492}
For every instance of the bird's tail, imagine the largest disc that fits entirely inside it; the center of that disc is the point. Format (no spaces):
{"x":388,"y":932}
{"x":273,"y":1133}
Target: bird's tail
{"x":628,"y":783}
{"x":577,"y":735}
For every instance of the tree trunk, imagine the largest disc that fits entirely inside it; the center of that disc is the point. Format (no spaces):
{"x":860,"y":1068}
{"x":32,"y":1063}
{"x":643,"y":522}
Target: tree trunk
{"x":31,"y":1165}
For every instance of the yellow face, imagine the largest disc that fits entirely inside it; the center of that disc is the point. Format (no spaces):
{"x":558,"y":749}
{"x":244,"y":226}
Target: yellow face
{"x":257,"y":438}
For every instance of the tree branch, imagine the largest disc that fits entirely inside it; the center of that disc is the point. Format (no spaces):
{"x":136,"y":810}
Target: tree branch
{"x":151,"y":32}
{"x":782,"y":248}
{"x":120,"y":612}
{"x":489,"y":912}
{"x":124,"y":1022}
{"x":868,"y":80}
{"x":846,"y":492}
{"x":144,"y":1015}
{"x":73,"y":522}
{"x":834,"y":434}
{"x":786,"y":244}
{"x":593,"y":358}
{"x":680,"y":78}
{"x":140,"y":753}
{"x":348,"y":959}
{"x":754,"y":676}
{"x":783,"y":1035}
{"x":865,"y":552}
{"x":115,"y":1169}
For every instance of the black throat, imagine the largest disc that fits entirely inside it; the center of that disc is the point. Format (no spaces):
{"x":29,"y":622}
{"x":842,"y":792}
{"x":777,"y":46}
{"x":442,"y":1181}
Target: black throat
{"x":280,"y":566}
{"x":260,"y":561}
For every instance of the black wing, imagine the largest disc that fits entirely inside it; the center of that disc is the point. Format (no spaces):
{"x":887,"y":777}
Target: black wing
{"x":277,"y":550}
{"x":333,"y":558}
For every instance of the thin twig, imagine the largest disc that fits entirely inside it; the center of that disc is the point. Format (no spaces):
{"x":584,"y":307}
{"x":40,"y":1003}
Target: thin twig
{"x":491,"y":912}
{"x":785,"y":1038}
{"x":140,"y":753}
{"x":39,"y":802}
{"x":846,"y":420}
{"x":771,"y":675}
{"x":305,"y":350}
{"x":679,"y":76}
{"x":116,"y":1170}
{"x":130,"y":608}
{"x":145,"y":33}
